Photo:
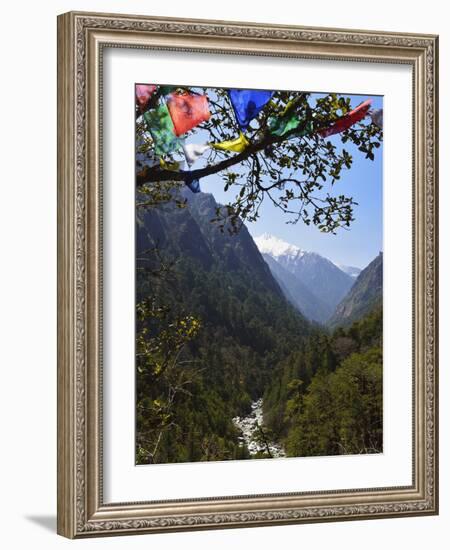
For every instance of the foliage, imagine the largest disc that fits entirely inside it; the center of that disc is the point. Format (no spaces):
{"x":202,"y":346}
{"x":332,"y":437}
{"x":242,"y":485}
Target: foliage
{"x":162,"y":372}
{"x":341,"y":413}
{"x":326,"y":398}
{"x":237,"y":329}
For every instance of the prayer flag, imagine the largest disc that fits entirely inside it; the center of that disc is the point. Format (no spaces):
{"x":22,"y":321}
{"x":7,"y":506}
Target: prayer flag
{"x":282,"y":125}
{"x":247,"y":104}
{"x":308,"y":129}
{"x":377,"y":117}
{"x":143,"y":94}
{"x":174,"y":166}
{"x":237,"y":145}
{"x":193,"y":151}
{"x":160,"y":125}
{"x":187,"y":111}
{"x":345,"y":122}
{"x":164,"y":90}
{"x":193,"y":184}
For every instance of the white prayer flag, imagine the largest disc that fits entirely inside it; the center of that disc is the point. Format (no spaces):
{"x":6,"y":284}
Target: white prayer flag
{"x":377,"y":117}
{"x":193,"y":151}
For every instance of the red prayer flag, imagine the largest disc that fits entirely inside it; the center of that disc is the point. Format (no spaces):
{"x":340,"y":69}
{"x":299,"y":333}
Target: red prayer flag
{"x":143,"y":94}
{"x":187,"y":111}
{"x":345,"y":122}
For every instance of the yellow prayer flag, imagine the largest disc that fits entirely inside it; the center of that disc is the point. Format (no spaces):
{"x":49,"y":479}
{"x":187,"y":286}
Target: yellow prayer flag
{"x":173,"y":166}
{"x":237,"y":145}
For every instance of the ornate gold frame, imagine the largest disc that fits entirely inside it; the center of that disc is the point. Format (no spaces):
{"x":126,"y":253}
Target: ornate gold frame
{"x":81,"y":37}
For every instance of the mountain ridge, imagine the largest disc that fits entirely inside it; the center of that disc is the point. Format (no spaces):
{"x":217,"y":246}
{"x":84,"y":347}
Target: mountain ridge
{"x":351,"y":270}
{"x":365,"y":295}
{"x":319,"y":275}
{"x":297,"y":293}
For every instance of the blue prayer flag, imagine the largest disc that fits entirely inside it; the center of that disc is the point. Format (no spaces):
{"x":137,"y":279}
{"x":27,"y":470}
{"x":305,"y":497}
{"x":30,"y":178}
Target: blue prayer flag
{"x":247,"y":104}
{"x":193,"y":184}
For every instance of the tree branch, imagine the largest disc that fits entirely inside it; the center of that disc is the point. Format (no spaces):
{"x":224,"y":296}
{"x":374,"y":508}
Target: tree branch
{"x":155,"y":174}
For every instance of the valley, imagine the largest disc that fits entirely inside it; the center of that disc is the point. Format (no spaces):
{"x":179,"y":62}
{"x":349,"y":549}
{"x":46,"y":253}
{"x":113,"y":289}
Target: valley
{"x":235,"y":359}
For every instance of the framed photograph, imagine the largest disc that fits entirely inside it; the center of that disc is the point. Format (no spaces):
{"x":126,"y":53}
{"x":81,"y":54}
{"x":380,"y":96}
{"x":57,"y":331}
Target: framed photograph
{"x":247,"y":276}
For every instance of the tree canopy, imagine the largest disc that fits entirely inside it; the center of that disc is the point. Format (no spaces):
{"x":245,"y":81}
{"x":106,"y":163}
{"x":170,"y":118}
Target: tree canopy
{"x":290,"y":165}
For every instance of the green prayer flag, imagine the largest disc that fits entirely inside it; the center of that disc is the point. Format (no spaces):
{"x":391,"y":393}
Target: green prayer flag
{"x":308,"y":129}
{"x":160,"y":125}
{"x":165,"y":90}
{"x":282,"y":125}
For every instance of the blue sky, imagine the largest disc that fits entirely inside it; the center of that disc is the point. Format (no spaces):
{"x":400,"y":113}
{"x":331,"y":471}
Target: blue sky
{"x":357,"y":246}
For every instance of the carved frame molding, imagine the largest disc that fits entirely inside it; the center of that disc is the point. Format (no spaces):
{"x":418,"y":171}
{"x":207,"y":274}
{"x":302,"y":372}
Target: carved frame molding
{"x":81,"y":39}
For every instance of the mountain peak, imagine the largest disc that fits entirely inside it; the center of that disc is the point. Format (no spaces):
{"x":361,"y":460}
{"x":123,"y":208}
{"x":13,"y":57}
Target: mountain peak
{"x":269,"y":244}
{"x":323,"y":279}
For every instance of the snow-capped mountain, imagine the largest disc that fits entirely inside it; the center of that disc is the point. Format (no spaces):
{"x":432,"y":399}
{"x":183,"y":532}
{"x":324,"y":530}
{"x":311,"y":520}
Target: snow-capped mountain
{"x":275,"y":247}
{"x":323,"y":279}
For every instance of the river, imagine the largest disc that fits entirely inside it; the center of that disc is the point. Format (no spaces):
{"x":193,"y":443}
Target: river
{"x":252,"y":429}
